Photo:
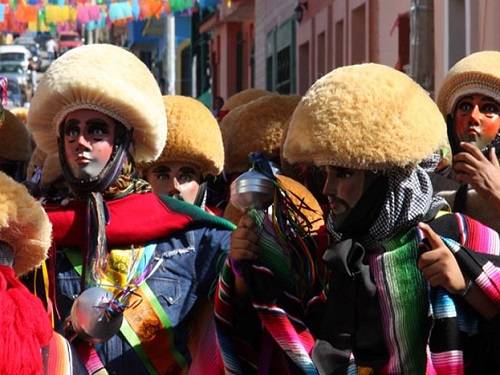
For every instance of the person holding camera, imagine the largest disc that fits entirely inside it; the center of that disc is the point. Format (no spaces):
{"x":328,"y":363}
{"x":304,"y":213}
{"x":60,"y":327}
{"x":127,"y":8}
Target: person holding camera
{"x":470,"y":100}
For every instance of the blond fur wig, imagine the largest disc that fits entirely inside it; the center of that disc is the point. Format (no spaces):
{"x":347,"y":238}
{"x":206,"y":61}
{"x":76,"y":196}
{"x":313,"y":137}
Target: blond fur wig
{"x":107,"y":79}
{"x":244,"y":97}
{"x":255,"y":126}
{"x":24,"y":225}
{"x":15,"y":141}
{"x":300,"y":196}
{"x":366,"y":116}
{"x":193,"y":136}
{"x":478,"y":73}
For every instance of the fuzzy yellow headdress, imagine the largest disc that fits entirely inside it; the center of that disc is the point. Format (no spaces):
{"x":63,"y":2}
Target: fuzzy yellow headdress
{"x":243,"y":97}
{"x":255,"y":126}
{"x":193,"y":136}
{"x":478,"y":73}
{"x":366,"y":116}
{"x":24,"y":225}
{"x":107,"y":79}
{"x":15,"y":142}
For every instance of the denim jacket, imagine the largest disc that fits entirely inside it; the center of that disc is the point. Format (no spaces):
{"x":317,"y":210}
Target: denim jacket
{"x":191,"y":261}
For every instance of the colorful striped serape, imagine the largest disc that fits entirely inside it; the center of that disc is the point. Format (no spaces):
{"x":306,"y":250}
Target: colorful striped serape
{"x":424,"y":327}
{"x":268,"y":333}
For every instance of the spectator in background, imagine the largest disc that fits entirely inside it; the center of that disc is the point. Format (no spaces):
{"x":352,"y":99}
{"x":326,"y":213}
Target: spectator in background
{"x":217,"y":105}
{"x":51,"y":47}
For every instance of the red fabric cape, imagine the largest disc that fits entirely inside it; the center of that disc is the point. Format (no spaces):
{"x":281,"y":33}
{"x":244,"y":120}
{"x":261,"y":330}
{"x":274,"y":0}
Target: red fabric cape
{"x":135,"y":219}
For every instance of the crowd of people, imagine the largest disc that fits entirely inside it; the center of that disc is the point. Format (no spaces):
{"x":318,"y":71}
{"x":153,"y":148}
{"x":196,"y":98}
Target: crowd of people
{"x":125,"y":247}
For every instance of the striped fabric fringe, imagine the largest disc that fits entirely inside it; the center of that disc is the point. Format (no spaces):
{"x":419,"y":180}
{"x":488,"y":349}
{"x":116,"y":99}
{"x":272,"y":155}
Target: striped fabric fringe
{"x":446,"y":355}
{"x":281,"y":321}
{"x":407,"y":300}
{"x":281,"y":283}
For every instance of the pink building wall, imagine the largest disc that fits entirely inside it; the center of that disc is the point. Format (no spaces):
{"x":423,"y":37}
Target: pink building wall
{"x":482,"y":32}
{"x":387,"y":15}
{"x":354,"y":31}
{"x":227,"y":24}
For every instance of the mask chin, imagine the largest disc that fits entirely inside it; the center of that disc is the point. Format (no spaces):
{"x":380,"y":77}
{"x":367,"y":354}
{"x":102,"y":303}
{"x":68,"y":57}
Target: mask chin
{"x":88,"y":172}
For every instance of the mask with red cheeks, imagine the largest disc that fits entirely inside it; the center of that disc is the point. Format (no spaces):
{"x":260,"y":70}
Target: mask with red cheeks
{"x":477,"y":119}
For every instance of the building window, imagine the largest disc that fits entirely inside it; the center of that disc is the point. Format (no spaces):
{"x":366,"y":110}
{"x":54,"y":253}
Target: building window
{"x":303,"y":68}
{"x":280,"y":58}
{"x":339,"y":43}
{"x":283,"y":81}
{"x":239,"y":61}
{"x":252,"y":66}
{"x":403,"y":42}
{"x":270,"y":50}
{"x":321,"y":48}
{"x":186,"y":71}
{"x":358,"y":35}
{"x":456,"y":31}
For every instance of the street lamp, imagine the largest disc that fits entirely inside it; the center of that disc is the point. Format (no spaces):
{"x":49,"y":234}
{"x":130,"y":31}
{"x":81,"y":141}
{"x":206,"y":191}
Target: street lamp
{"x":299,"y":10}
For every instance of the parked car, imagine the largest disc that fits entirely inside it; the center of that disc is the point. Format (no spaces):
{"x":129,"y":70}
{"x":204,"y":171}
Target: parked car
{"x":29,"y":43}
{"x":33,"y":46}
{"x":15,"y":95}
{"x":14,"y":54}
{"x":68,"y":40}
{"x":14,"y":72}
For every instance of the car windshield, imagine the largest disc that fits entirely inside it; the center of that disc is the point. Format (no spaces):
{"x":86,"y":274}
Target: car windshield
{"x":10,"y":68}
{"x":68,"y":38}
{"x":11,"y":56}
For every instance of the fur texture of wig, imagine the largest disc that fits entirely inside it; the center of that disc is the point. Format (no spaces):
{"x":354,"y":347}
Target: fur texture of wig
{"x":366,"y":116}
{"x":194,"y":136}
{"x":478,"y":73}
{"x":105,"y":78}
{"x":24,"y":225}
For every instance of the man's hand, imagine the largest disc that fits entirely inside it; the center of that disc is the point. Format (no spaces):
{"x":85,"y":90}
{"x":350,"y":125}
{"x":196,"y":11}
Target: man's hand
{"x":244,"y":241}
{"x":243,"y":248}
{"x":438,"y":265}
{"x":483,"y":174}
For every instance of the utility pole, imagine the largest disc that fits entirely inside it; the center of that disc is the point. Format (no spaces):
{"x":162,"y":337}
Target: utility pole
{"x":422,"y":43}
{"x":169,"y":59}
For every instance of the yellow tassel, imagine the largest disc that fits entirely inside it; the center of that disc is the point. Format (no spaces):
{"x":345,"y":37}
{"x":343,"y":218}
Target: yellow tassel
{"x":45,"y":275}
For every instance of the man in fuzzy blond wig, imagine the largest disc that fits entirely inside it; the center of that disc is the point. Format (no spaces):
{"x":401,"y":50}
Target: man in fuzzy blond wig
{"x":256,"y":126}
{"x":15,"y":145}
{"x":400,"y":299}
{"x":193,"y":153}
{"x":469,"y":98}
{"x":28,"y":345}
{"x":99,"y":109}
